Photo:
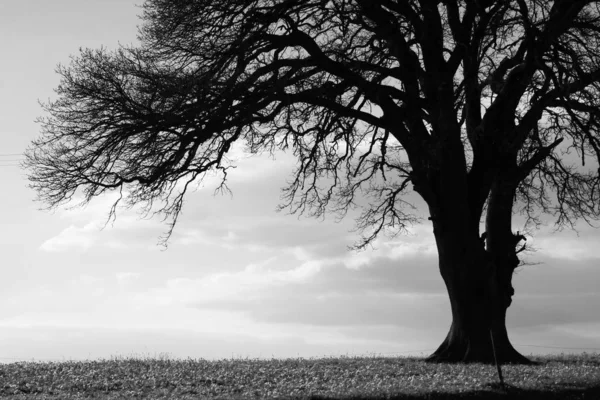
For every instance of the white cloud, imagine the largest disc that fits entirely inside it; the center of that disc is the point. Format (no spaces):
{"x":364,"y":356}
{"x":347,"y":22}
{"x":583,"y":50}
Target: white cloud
{"x":393,"y":250}
{"x":72,"y":237}
{"x":418,"y":243}
{"x":90,"y":230}
{"x":570,"y":245}
{"x":251,"y":282}
{"x":570,"y":248}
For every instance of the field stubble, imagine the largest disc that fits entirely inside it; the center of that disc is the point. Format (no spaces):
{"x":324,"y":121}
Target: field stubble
{"x":555,"y":377}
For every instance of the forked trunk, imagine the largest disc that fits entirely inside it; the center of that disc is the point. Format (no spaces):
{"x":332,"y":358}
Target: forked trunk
{"x":479,"y":285}
{"x":478,"y":280}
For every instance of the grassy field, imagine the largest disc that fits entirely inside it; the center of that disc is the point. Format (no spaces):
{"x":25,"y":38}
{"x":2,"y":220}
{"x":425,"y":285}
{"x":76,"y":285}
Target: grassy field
{"x":556,"y":377}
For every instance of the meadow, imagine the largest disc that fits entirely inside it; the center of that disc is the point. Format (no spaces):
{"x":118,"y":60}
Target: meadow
{"x":554,"y":377}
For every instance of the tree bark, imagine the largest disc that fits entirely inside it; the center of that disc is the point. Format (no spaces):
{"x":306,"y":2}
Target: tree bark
{"x":478,"y":280}
{"x":478,"y":302}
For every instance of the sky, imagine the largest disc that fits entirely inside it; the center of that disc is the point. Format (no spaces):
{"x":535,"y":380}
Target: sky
{"x":238,"y":279}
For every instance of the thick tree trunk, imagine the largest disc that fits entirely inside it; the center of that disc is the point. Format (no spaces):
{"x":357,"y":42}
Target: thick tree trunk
{"x":478,"y":280}
{"x":478,"y":301}
{"x":479,"y":284}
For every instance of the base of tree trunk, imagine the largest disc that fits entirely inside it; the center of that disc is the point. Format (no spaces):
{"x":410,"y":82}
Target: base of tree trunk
{"x":459,"y":347}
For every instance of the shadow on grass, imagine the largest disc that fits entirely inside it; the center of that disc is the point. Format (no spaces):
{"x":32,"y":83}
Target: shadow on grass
{"x":495,"y":392}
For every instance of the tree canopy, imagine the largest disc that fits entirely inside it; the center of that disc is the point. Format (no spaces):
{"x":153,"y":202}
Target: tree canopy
{"x":374,"y":89}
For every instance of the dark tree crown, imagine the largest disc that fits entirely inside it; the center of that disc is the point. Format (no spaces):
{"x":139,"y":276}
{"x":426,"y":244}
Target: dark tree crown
{"x":372,"y":97}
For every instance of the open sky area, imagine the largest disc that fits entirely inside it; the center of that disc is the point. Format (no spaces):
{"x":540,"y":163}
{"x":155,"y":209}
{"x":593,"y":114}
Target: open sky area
{"x":238,"y":279}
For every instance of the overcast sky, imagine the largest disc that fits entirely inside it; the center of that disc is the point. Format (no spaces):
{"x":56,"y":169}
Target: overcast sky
{"x":238,"y":279}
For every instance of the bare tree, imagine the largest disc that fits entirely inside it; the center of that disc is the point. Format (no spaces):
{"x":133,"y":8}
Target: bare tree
{"x":474,"y":105}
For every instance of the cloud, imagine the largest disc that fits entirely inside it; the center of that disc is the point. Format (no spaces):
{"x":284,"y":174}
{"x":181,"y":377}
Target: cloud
{"x":72,"y":238}
{"x":568,"y":247}
{"x":130,"y":233}
{"x":386,"y":292}
{"x":240,"y":286}
{"x":90,"y":231}
{"x":398,"y":290}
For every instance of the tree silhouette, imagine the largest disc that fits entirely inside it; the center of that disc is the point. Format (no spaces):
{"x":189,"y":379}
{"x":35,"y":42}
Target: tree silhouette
{"x":475,"y":105}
